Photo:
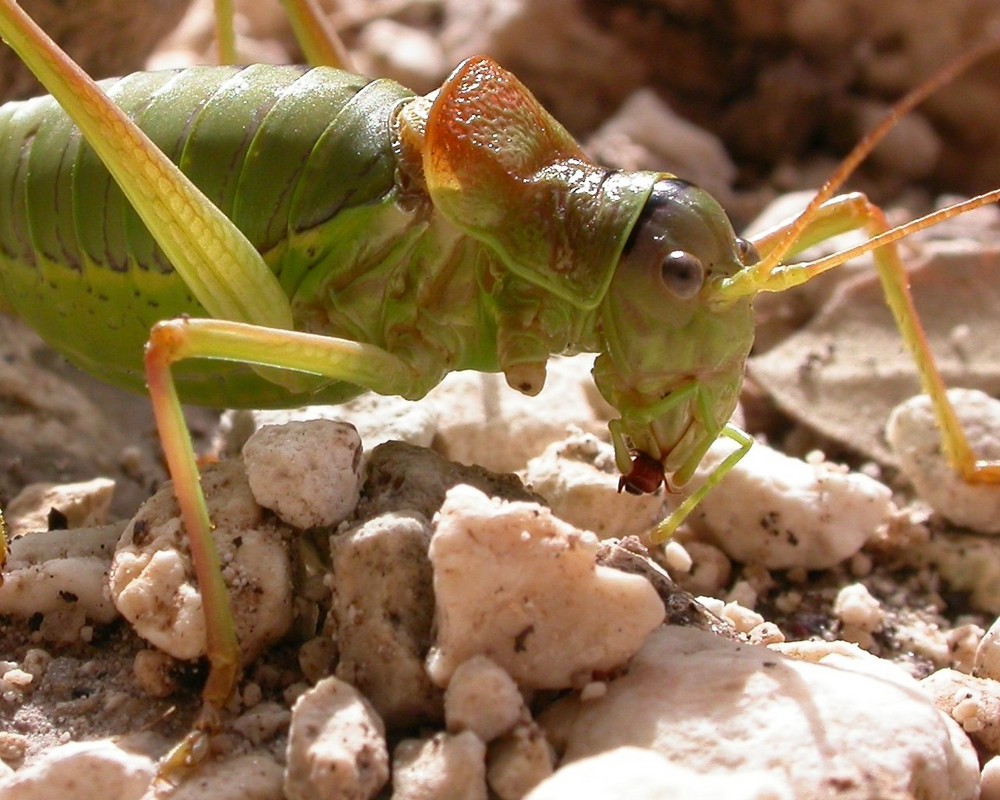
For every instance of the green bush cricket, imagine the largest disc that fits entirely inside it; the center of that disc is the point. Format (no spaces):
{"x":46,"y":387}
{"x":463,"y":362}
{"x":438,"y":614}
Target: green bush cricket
{"x":402,"y":237}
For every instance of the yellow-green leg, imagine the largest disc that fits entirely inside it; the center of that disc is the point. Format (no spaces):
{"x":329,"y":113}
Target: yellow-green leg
{"x":225,"y":34}
{"x":665,"y":529}
{"x":174,"y":340}
{"x":319,"y":42}
{"x":851,"y":212}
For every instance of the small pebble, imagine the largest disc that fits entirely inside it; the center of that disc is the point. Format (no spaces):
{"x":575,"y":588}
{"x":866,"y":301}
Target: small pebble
{"x":781,"y":512}
{"x":308,"y":473}
{"x":482,"y":698}
{"x":441,"y":767}
{"x":336,"y":745}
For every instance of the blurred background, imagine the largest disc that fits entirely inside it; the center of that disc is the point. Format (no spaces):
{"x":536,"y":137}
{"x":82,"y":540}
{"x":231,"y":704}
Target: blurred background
{"x":750,"y":98}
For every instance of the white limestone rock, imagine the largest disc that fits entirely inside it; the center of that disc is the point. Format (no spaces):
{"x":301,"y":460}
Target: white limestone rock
{"x":255,"y":775}
{"x":471,"y":417}
{"x":633,"y":773}
{"x":517,"y":584}
{"x":443,"y":767}
{"x":383,"y":607}
{"x":82,"y":771}
{"x":336,"y":745}
{"x":967,"y":563}
{"x":54,"y":571}
{"x":377,"y":418}
{"x":308,"y":473}
{"x":832,"y":717}
{"x":915,"y":438}
{"x":484,"y":421}
{"x":860,"y":614}
{"x":989,"y":788}
{"x":973,"y":702}
{"x":856,"y":606}
{"x":578,"y":478}
{"x":263,"y":722}
{"x":80,"y":505}
{"x":709,"y":572}
{"x":987,"y":658}
{"x":782,"y":512}
{"x":483,"y":698}
{"x":519,"y":760}
{"x":152,"y":580}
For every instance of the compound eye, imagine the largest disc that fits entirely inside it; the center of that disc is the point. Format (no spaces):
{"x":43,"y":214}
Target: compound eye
{"x":748,"y":253}
{"x":682,"y":273}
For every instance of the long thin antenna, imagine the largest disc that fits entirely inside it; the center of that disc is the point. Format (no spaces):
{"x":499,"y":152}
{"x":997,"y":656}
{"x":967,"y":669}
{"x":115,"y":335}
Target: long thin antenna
{"x":749,"y":281}
{"x":785,"y":277}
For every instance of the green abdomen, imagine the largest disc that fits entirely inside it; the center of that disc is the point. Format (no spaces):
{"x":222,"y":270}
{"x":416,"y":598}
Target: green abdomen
{"x":281,"y":150}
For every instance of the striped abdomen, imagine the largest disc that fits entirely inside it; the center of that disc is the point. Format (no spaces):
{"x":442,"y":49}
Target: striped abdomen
{"x":281,"y":150}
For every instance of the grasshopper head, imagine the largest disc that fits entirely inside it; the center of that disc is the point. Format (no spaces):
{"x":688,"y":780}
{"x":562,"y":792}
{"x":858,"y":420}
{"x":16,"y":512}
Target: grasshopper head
{"x":673,"y":360}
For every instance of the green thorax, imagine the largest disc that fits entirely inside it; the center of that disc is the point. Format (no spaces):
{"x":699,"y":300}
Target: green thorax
{"x":401,"y":276}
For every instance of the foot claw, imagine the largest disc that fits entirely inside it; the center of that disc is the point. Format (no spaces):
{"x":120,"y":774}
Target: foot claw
{"x":188,"y":754}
